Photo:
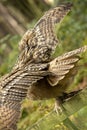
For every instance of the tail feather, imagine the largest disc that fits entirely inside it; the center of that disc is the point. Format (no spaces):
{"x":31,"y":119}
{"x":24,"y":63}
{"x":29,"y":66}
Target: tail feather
{"x":62,"y":65}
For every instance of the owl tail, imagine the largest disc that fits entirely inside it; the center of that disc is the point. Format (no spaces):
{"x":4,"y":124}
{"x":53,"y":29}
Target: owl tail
{"x":9,"y":115}
{"x":61,"y":66}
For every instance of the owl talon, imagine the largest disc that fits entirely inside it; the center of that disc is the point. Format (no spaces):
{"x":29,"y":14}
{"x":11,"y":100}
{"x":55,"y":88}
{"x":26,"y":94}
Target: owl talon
{"x":58,"y":107}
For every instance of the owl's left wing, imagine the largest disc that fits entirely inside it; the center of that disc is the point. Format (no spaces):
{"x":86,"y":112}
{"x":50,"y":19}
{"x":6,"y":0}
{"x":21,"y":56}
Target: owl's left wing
{"x":44,"y":28}
{"x":41,"y":40}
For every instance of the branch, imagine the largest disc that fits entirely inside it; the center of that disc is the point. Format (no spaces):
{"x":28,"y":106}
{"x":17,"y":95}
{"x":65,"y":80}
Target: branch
{"x":52,"y":120}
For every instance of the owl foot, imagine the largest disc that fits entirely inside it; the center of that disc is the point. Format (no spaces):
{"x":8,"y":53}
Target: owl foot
{"x":58,"y":108}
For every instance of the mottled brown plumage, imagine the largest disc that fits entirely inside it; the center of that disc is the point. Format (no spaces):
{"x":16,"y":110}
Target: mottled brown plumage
{"x":36,"y":75}
{"x":40,"y":42}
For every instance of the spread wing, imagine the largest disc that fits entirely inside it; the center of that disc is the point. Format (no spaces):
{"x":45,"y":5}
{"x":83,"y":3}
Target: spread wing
{"x":9,"y":115}
{"x":62,"y":65}
{"x":45,"y":27}
{"x":42,"y":38}
{"x":13,"y":89}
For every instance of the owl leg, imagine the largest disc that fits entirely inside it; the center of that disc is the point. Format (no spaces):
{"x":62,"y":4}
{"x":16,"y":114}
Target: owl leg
{"x":60,"y":100}
{"x":58,"y":108}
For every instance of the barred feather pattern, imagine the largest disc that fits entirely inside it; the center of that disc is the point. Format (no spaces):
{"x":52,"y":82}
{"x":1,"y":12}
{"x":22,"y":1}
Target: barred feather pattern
{"x":56,"y":83}
{"x":9,"y":115}
{"x":35,"y":73}
{"x":41,"y":41}
{"x":13,"y":89}
{"x":61,"y":65}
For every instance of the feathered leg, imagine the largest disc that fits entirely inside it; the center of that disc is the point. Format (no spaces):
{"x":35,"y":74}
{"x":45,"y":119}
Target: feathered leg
{"x":60,"y":100}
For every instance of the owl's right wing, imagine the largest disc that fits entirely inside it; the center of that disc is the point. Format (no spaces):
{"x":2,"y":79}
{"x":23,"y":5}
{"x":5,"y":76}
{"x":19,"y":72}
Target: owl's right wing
{"x":61,"y":66}
{"x":13,"y":89}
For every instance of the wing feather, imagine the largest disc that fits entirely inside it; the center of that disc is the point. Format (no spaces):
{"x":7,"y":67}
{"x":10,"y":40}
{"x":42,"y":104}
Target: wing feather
{"x":13,"y":89}
{"x":41,"y":41}
{"x":9,"y":115}
{"x":45,"y":27}
{"x":16,"y":86}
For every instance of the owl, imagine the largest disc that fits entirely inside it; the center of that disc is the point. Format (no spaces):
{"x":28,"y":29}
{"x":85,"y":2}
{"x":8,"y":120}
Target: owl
{"x":36,"y":74}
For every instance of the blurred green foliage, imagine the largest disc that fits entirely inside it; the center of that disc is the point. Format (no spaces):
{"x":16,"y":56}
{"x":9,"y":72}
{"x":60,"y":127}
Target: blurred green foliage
{"x":72,"y":34}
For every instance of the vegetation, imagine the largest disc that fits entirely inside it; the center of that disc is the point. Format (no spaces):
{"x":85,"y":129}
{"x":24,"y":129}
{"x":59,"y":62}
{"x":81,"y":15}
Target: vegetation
{"x":72,"y":34}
